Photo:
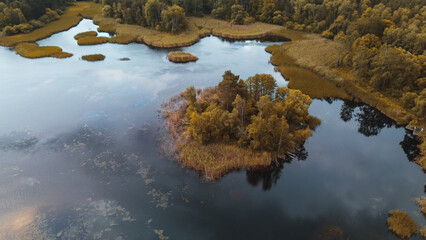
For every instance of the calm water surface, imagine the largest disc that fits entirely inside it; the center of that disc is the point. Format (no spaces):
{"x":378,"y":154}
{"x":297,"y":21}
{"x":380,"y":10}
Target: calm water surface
{"x":79,"y":157}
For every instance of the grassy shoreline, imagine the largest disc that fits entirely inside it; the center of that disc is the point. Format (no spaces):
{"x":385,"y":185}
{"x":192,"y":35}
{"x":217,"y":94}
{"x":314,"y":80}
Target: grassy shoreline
{"x":72,"y":16}
{"x":313,"y":65}
{"x":197,"y":29}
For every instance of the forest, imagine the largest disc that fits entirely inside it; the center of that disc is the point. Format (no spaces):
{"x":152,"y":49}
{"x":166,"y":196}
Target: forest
{"x":23,"y":16}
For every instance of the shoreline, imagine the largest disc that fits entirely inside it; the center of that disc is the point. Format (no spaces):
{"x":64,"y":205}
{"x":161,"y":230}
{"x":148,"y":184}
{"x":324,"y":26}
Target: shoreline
{"x":198,"y":28}
{"x":310,"y":73}
{"x":71,"y":18}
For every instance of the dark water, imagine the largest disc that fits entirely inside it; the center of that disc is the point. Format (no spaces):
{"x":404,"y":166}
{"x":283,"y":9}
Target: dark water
{"x":79,"y":157}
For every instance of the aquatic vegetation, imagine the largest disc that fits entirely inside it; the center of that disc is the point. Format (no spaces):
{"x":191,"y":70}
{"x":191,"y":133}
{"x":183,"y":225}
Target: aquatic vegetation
{"x":69,"y":19}
{"x":95,"y":219}
{"x":144,"y":171}
{"x":401,"y":224}
{"x":160,"y":234}
{"x":92,"y":40}
{"x":33,"y":50}
{"x":93,"y":57}
{"x":17,"y":140}
{"x":181,"y":57}
{"x":159,"y":198}
{"x":109,"y":162}
{"x":85,"y":34}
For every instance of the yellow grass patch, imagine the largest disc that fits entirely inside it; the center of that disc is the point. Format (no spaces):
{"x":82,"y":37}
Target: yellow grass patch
{"x":33,"y":50}
{"x":197,"y":28}
{"x":123,"y":39}
{"x":69,"y":19}
{"x":217,"y":159}
{"x":93,"y":57}
{"x":92,"y":40}
{"x":86,"y":34}
{"x":225,"y":29}
{"x":181,"y":57}
{"x":401,"y":224}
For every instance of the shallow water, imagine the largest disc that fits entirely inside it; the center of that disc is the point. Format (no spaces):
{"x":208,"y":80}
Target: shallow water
{"x":79,"y":157}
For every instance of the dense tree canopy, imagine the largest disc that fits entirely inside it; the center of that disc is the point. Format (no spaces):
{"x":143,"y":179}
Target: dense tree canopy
{"x":21,"y":16}
{"x":259,"y":116}
{"x":158,"y":14}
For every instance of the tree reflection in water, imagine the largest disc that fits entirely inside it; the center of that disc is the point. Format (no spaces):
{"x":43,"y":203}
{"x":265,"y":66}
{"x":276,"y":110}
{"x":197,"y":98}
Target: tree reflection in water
{"x":409,"y":145}
{"x":370,"y":120}
{"x":370,"y":123}
{"x":269,"y":176}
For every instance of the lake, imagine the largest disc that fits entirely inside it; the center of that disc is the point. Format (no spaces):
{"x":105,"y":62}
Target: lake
{"x":80,"y":156}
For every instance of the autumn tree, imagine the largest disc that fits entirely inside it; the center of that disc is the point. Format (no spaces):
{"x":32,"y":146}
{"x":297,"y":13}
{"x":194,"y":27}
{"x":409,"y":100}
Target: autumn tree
{"x":153,"y":9}
{"x":260,"y":85}
{"x":173,"y":19}
{"x":229,"y":87}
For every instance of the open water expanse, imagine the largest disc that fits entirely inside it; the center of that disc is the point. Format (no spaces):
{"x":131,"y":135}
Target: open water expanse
{"x":79,"y":155}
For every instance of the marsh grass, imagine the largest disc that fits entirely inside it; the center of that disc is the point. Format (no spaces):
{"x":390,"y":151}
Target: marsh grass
{"x":227,"y":30}
{"x":93,"y":57}
{"x":216,"y":159}
{"x":311,"y":84}
{"x":181,"y":57}
{"x":92,"y":40}
{"x":401,"y":224}
{"x":72,"y":16}
{"x":33,"y":50}
{"x":197,"y":29}
{"x":123,"y":39}
{"x":86,"y":34}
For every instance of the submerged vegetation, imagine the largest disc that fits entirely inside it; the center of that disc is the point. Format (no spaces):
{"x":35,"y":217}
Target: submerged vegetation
{"x":181,"y":57}
{"x":93,"y":57}
{"x":238,"y":124}
{"x":33,"y":50}
{"x":401,"y":224}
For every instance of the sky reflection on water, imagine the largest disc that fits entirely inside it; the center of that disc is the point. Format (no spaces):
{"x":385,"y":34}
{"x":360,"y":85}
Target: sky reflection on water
{"x":79,"y":160}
